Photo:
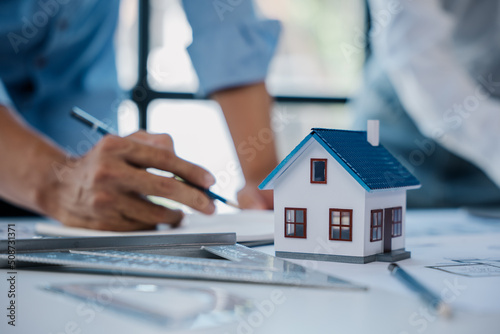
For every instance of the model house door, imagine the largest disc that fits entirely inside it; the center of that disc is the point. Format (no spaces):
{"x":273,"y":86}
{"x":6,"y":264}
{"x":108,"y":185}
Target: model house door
{"x":393,"y":226}
{"x":388,"y":230}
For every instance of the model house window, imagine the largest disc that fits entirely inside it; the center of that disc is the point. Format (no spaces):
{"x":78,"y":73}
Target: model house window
{"x":318,"y":170}
{"x":397,"y":222}
{"x":376,"y":225}
{"x":295,"y":223}
{"x":340,"y":224}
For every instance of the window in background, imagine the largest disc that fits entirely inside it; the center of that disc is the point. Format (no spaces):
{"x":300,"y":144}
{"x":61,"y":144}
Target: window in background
{"x":311,"y":66}
{"x":315,"y":55}
{"x":200,"y":135}
{"x":293,"y":121}
{"x":169,"y":65}
{"x":126,"y":38}
{"x":128,"y":118}
{"x":312,"y":57}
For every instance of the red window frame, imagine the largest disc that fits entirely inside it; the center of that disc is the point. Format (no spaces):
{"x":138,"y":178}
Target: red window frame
{"x":376,"y":225}
{"x":312,"y":170}
{"x":342,"y":227}
{"x":397,"y":222}
{"x":293,"y":222}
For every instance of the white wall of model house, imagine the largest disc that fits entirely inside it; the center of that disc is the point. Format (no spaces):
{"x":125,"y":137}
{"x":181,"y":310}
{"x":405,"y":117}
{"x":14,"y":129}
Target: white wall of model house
{"x":383,"y":199}
{"x":294,"y":190}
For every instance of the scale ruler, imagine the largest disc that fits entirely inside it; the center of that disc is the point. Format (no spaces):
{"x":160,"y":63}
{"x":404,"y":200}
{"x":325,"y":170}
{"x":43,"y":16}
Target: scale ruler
{"x":238,"y":263}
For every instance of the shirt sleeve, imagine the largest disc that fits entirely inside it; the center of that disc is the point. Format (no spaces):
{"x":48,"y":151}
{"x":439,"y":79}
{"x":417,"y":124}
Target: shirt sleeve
{"x":4,"y":96}
{"x":231,"y":45}
{"x":445,"y":102}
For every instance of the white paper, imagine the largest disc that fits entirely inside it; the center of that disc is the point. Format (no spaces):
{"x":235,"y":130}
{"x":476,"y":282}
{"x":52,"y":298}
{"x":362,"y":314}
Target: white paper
{"x":249,"y":225}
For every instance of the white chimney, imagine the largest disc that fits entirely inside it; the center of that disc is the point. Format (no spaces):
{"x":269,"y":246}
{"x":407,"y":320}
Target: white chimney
{"x":372,"y":133}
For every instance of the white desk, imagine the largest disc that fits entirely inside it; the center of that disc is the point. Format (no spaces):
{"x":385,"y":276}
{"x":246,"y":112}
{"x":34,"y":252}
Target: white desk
{"x":387,"y":307}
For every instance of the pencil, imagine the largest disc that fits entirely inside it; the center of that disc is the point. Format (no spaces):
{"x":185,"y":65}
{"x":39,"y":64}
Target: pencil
{"x":429,"y":297}
{"x":92,"y":122}
{"x":104,"y":129}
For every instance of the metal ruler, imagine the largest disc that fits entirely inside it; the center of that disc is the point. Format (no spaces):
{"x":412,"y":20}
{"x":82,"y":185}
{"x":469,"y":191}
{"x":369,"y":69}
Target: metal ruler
{"x":194,"y":256}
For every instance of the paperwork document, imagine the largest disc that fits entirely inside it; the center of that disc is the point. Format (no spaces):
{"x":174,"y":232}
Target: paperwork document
{"x":250,"y":226}
{"x":472,"y":267}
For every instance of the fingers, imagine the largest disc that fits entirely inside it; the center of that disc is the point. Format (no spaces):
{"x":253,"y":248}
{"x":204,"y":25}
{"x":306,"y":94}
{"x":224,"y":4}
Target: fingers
{"x":142,"y":182}
{"x":118,"y":224}
{"x":162,"y":140}
{"x":141,"y":210}
{"x":105,"y":223}
{"x":127,"y":213}
{"x":113,"y":173}
{"x":143,"y":155}
{"x":110,"y":183}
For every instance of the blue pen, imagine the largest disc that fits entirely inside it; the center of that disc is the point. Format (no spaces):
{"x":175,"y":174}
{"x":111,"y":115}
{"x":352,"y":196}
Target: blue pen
{"x":104,"y":129}
{"x":208,"y":192}
{"x":429,"y":297}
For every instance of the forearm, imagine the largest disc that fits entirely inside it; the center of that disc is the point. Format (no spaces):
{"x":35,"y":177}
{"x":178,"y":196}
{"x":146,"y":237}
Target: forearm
{"x":247,"y":111}
{"x":27,"y":163}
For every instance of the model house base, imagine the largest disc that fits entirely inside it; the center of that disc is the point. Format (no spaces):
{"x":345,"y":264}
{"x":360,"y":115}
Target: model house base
{"x":395,"y":255}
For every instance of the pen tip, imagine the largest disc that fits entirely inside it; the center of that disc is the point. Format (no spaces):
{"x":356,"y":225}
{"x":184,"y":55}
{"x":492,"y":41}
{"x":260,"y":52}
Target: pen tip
{"x":232,"y":204}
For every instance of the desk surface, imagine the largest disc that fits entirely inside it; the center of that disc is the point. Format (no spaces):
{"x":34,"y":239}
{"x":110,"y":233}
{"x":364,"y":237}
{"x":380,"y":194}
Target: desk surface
{"x":387,"y":307}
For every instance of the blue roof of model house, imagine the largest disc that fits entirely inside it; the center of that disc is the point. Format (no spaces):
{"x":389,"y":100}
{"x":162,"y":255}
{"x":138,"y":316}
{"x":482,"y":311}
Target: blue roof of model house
{"x":372,"y":166}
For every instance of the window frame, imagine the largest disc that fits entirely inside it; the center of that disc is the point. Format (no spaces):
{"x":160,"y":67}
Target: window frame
{"x":378,"y":227}
{"x":142,"y":94}
{"x":304,"y":210}
{"x":313,"y":160}
{"x":397,"y":223}
{"x":331,"y":225}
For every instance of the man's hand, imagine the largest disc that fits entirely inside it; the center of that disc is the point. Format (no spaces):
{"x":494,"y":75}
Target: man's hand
{"x":106,"y":189}
{"x":250,"y":197}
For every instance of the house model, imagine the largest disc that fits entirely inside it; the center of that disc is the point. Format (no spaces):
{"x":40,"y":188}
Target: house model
{"x":340,"y":196}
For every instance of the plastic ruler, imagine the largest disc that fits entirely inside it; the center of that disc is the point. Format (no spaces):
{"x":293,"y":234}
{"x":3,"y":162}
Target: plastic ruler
{"x":194,"y":256}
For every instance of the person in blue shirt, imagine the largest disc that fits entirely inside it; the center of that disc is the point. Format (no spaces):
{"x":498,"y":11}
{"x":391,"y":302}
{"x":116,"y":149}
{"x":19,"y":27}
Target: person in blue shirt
{"x":55,"y":54}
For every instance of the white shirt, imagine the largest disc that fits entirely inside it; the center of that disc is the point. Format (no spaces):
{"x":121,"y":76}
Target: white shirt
{"x":437,"y":72}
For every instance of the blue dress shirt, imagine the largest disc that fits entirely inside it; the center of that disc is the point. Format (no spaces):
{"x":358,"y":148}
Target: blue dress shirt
{"x":55,"y":54}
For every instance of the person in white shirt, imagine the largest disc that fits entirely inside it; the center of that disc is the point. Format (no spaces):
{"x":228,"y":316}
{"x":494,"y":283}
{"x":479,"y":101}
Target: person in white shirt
{"x":433,"y":80}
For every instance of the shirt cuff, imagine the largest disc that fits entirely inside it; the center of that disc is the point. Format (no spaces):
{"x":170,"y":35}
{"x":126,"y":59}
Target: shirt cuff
{"x":4,"y":96}
{"x":234,"y":54}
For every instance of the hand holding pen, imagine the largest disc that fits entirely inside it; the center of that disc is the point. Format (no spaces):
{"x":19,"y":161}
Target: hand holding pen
{"x":107,"y":187}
